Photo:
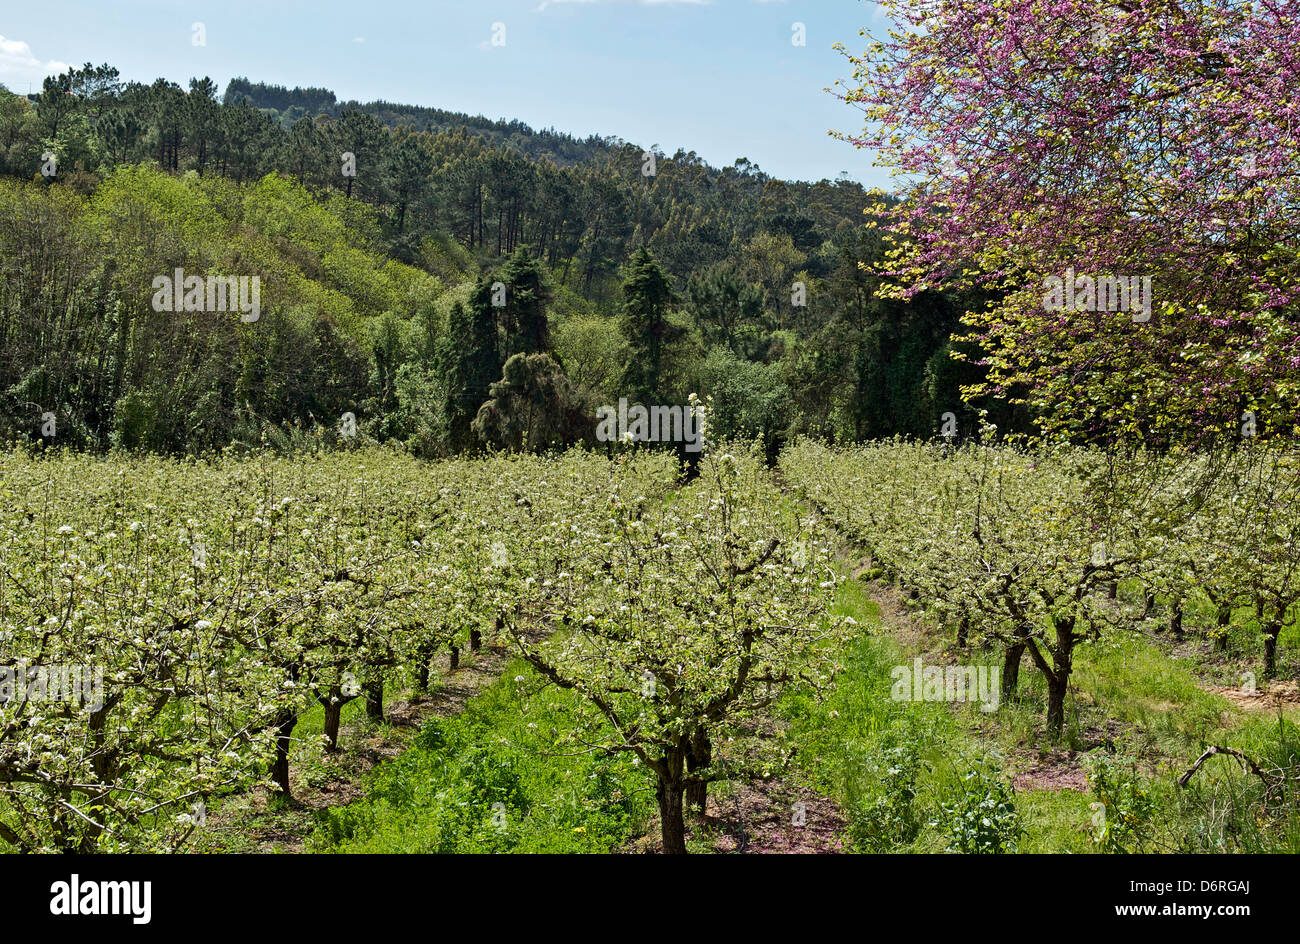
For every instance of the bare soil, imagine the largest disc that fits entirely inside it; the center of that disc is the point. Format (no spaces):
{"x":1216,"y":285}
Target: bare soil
{"x":760,"y":817}
{"x":1270,"y":698}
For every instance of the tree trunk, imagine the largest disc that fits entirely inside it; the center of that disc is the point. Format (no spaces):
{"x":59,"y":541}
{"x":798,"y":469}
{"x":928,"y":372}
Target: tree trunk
{"x":1225,"y":618}
{"x":475,"y":639}
{"x":1176,"y":619}
{"x":455,"y":658}
{"x":1271,"y":632}
{"x":333,"y":714}
{"x":670,"y":793}
{"x":375,"y":700}
{"x":425,"y":655}
{"x":1057,"y":685}
{"x":1057,"y":672}
{"x":1148,"y":604}
{"x":963,"y":632}
{"x":284,"y":726}
{"x":698,"y":757}
{"x":1011,"y":669}
{"x":1112,"y":590}
{"x":671,"y":819}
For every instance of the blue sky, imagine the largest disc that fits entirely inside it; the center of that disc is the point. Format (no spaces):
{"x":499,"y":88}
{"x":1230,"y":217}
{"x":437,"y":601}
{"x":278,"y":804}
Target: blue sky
{"x":721,"y":78}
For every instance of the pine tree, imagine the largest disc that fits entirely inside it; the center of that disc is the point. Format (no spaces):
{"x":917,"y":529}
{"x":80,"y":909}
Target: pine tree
{"x":644,"y":320}
{"x":524,"y":317}
{"x":471,"y":363}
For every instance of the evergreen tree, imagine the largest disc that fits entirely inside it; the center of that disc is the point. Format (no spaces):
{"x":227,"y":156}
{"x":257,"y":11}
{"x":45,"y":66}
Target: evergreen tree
{"x":524,"y":319}
{"x":471,"y":363}
{"x":724,"y":306}
{"x":644,"y":320}
{"x":534,"y":407}
{"x":202,"y":117}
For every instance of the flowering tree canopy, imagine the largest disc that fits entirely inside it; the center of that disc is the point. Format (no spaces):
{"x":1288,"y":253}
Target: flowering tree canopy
{"x":1121,"y":178}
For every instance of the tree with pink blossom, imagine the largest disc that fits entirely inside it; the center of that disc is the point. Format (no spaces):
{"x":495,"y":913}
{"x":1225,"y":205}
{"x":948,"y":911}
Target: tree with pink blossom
{"x":1122,"y":177}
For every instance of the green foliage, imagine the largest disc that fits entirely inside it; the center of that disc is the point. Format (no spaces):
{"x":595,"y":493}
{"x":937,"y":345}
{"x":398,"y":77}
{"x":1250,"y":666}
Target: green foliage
{"x":420,"y":421}
{"x":593,"y":352}
{"x":889,"y":818}
{"x":253,"y":185}
{"x":728,"y":311}
{"x":20,"y":135}
{"x":650,"y":332}
{"x":750,"y":400}
{"x":523,"y":318}
{"x":1125,"y":806}
{"x":983,"y":819}
{"x":534,"y":407}
{"x":470,"y":363}
{"x":491,"y":780}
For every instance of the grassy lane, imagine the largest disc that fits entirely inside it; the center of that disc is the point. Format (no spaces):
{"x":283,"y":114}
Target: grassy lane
{"x":500,"y":776}
{"x":322,"y":781}
{"x":909,"y":775}
{"x":916,"y":776}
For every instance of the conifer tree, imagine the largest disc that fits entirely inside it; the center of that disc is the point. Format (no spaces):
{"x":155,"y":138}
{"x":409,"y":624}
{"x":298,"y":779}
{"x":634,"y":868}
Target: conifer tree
{"x":524,"y":317}
{"x":644,"y":320}
{"x":471,"y":363}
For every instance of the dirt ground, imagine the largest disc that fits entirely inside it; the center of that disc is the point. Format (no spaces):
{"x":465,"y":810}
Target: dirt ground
{"x":760,"y":817}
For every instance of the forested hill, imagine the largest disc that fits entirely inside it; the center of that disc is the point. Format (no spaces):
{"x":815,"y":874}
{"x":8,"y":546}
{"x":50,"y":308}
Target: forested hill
{"x":833,"y":204}
{"x":289,"y":105}
{"x":635,"y":275}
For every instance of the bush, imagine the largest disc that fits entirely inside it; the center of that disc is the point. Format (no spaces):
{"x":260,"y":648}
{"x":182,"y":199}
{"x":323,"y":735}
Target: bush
{"x":889,"y":819}
{"x":984,"y":818}
{"x":1124,"y":808}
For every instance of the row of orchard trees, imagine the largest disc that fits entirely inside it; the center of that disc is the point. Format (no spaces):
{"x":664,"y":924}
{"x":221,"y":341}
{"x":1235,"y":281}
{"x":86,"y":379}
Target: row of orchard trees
{"x":680,"y":613}
{"x":1025,"y":549}
{"x":219,"y":600}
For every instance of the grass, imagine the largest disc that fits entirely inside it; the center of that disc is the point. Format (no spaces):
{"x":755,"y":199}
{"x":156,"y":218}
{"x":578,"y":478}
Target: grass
{"x":1138,"y":718}
{"x":908,"y":776}
{"x":498,"y":777}
{"x":892,"y":765}
{"x":1139,"y":684}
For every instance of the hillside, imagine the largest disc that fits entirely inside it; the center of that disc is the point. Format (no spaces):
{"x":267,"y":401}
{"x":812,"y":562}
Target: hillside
{"x":366,"y":224}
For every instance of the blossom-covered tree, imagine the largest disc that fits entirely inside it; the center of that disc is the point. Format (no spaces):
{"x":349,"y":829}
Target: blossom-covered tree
{"x":1087,"y":142}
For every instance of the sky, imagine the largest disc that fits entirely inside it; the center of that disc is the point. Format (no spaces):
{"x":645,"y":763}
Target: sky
{"x":723,"y":78}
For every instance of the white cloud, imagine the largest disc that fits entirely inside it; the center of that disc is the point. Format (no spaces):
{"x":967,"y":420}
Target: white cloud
{"x":358,"y":39}
{"x":19,"y":64}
